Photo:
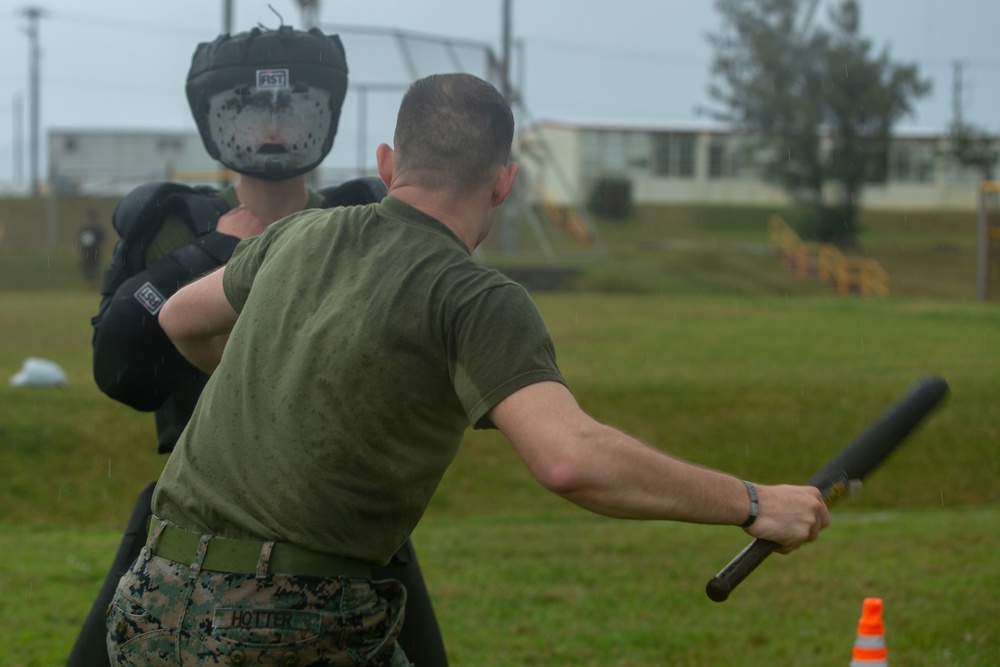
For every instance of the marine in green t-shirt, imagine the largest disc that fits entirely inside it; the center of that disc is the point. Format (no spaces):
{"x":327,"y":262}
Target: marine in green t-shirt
{"x":345,"y":388}
{"x":371,"y":340}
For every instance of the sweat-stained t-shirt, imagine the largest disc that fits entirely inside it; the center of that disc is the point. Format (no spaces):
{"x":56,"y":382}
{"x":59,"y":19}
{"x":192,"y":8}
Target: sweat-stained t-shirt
{"x":368,"y":341}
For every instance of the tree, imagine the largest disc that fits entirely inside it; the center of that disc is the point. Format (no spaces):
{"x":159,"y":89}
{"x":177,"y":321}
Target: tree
{"x":611,"y":197}
{"x":821,"y":103}
{"x":762,"y":76}
{"x":974,"y":147}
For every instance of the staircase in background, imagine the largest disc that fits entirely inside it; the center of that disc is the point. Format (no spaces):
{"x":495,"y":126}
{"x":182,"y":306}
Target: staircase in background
{"x":845,"y":275}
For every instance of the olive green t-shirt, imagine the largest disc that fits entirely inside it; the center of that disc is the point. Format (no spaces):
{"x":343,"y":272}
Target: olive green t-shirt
{"x":368,"y":341}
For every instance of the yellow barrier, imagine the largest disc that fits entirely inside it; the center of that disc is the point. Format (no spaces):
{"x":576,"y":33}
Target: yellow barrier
{"x":567,"y":219}
{"x":846,"y":275}
{"x":987,"y":234}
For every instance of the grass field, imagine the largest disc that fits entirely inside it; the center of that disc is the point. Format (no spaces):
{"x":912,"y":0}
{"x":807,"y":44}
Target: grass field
{"x":705,"y":348}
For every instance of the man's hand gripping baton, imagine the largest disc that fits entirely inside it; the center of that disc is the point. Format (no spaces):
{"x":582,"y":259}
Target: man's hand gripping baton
{"x":834,"y":480}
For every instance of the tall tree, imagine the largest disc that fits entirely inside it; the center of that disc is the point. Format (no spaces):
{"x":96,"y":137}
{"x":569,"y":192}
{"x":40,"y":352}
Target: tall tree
{"x":763,"y":69}
{"x":974,"y":147}
{"x":821,"y":103}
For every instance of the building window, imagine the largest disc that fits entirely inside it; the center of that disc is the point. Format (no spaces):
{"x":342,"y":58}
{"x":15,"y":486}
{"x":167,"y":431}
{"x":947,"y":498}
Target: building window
{"x":911,"y":162}
{"x":637,"y":152}
{"x":731,"y":156}
{"x":169,"y":144}
{"x":661,"y":154}
{"x":925,"y":164}
{"x":717,"y":167}
{"x":607,"y":152}
{"x":673,"y":155}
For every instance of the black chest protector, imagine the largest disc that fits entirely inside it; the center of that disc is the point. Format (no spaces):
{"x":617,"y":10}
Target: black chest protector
{"x":140,"y":215}
{"x":134,"y":361}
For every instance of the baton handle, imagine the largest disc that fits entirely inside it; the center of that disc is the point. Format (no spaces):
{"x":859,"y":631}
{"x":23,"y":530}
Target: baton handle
{"x":853,"y":462}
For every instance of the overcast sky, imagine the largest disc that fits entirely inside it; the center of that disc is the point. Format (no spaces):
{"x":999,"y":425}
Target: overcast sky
{"x":122,"y":63}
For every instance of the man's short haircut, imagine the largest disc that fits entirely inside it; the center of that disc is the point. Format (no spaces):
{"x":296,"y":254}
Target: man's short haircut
{"x":454,"y":130}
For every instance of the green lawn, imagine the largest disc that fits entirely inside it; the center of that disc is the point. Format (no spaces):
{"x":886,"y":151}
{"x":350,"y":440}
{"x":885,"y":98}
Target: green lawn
{"x":570,"y":589}
{"x":766,"y":387}
{"x":706,"y":348}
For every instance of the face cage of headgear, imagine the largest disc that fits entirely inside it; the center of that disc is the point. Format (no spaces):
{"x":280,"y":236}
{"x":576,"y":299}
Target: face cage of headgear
{"x":273,"y":131}
{"x":267,"y":102}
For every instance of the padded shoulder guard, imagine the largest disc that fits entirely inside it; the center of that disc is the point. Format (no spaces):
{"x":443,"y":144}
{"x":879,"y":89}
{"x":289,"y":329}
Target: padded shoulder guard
{"x":358,"y":191}
{"x":140,"y":214}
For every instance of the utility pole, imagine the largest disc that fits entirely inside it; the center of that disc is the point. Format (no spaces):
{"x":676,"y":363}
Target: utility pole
{"x":505,"y":58}
{"x":956,"y":94}
{"x":227,"y":17}
{"x":310,"y":20}
{"x":33,"y":14}
{"x":310,"y":13}
{"x":18,"y":108}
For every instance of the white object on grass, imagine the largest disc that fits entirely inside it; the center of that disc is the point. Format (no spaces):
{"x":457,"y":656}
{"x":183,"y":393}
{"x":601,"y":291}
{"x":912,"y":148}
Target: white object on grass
{"x":39,"y":373}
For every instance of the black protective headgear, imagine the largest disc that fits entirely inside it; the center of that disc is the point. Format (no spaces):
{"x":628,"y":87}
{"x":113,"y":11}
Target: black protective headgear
{"x":267,"y":102}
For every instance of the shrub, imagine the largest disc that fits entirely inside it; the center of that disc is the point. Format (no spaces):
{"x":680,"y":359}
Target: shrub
{"x":611,"y":197}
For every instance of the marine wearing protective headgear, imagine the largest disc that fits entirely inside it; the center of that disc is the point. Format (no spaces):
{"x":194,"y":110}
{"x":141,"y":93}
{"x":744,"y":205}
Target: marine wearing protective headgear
{"x":267,"y":102}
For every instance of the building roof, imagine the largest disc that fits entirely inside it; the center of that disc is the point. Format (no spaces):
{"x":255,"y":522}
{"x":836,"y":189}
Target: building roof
{"x":694,"y":126}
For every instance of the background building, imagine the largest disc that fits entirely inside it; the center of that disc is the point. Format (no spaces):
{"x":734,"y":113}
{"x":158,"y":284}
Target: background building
{"x":667,"y":165}
{"x":712,"y":165}
{"x":113,"y":162}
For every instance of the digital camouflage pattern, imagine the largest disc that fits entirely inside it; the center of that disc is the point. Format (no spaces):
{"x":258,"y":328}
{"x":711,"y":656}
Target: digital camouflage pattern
{"x":168,"y":613}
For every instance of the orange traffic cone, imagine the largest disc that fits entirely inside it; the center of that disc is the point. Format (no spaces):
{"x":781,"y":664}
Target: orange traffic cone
{"x":869,"y":647}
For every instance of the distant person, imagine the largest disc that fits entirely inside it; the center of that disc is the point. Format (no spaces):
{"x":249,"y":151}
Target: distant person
{"x":351,"y":350}
{"x":89,"y":241}
{"x":267,"y":104}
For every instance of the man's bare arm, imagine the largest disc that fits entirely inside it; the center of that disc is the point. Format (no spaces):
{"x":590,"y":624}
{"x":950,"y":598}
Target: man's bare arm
{"x":198,"y":319}
{"x":611,"y":473}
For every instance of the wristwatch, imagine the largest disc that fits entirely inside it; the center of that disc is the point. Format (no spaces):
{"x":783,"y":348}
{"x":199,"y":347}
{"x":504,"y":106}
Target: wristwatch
{"x":754,"y":505}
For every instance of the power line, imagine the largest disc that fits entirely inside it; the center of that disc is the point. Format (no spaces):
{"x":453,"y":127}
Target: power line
{"x":116,"y":24}
{"x":637,"y":54}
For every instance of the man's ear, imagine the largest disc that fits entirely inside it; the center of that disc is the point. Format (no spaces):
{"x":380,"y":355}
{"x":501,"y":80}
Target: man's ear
{"x":504,"y":182}
{"x":385,"y":159}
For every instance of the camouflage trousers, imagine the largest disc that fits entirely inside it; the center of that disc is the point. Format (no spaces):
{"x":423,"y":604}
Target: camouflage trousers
{"x":169,"y":613}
